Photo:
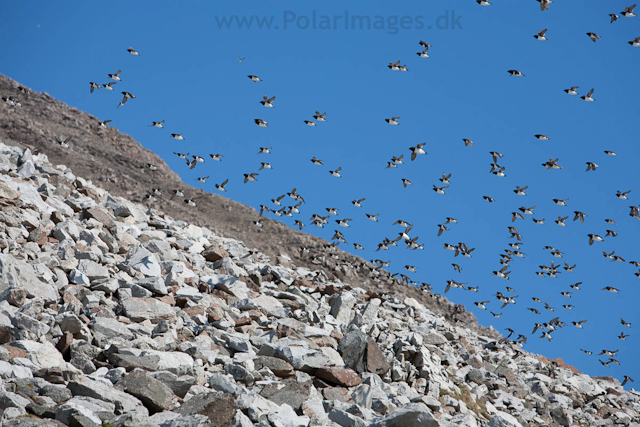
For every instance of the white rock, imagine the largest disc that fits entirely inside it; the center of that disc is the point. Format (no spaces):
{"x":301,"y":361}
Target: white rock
{"x":502,"y":419}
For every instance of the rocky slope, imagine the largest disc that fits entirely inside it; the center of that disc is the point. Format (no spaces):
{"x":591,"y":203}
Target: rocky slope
{"x":117,"y":162}
{"x":113,"y":314}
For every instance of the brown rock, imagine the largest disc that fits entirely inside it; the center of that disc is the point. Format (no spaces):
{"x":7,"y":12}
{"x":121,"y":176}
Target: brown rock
{"x":64,"y":343}
{"x":15,"y":351}
{"x":279,"y":367}
{"x":337,"y":393}
{"x":100,"y":215}
{"x":243,"y":321}
{"x":38,"y":235}
{"x":214,"y":253}
{"x":345,"y":377}
{"x":194,"y":310}
{"x":57,"y":217}
{"x":17,"y":297}
{"x":218,"y":407}
{"x":214,"y":313}
{"x":376,"y":362}
{"x":5,"y":334}
{"x":168,"y":299}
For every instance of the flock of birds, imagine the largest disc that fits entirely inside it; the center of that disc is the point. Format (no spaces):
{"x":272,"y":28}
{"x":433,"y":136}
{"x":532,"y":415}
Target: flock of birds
{"x":279,"y":207}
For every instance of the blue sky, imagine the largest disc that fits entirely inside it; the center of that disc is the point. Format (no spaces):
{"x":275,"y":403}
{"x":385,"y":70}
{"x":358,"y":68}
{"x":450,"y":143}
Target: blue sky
{"x":188,"y":74}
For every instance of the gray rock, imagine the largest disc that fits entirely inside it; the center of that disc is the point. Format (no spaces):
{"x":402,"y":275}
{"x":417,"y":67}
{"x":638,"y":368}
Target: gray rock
{"x":344,"y":418}
{"x":223,"y":383}
{"x":411,"y":415}
{"x":154,"y":394}
{"x":141,"y":259}
{"x":342,"y":307}
{"x":93,"y":270}
{"x":66,"y":230}
{"x":123,"y":402}
{"x":140,"y":309}
{"x":502,"y":419}
{"x":17,"y":274}
{"x":352,"y":348}
{"x":154,"y":284}
{"x":289,"y":391}
{"x":218,"y":407}
{"x":106,"y":329}
{"x":178,"y":384}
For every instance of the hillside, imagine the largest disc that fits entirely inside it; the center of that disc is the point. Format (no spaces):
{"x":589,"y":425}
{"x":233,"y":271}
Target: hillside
{"x":117,"y":162}
{"x":114,"y":314}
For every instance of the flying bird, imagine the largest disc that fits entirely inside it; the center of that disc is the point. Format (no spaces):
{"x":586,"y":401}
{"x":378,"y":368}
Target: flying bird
{"x":628,"y":11}
{"x":572,"y":90}
{"x":267,"y":102}
{"x":588,"y":97}
{"x":250,"y":177}
{"x":594,"y":37}
{"x":540,"y":35}
{"x":115,"y":76}
{"x":221,"y":186}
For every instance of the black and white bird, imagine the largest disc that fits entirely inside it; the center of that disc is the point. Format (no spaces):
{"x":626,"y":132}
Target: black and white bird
{"x":94,"y":85}
{"x":621,"y":195}
{"x":126,"y":95}
{"x":115,"y":76}
{"x":177,"y":136}
{"x":393,"y":121}
{"x":591,"y":166}
{"x":594,"y":37}
{"x":320,"y":116}
{"x":515,"y":73}
{"x":310,"y":123}
{"x":542,"y":137}
{"x":203,"y":179}
{"x":336,"y":172}
{"x":216,"y":157}
{"x":157,"y":124}
{"x":540,"y":35}
{"x":221,"y":187}
{"x":254,"y":78}
{"x":265,"y":150}
{"x":357,"y":202}
{"x":250,"y":177}
{"x":588,"y":97}
{"x":424,"y":53}
{"x":316,"y":161}
{"x":440,"y":190}
{"x":415,"y":151}
{"x":628,"y":11}
{"x":261,"y":123}
{"x":594,"y":238}
{"x":635,"y":42}
{"x":572,"y":90}
{"x":267,"y":102}
{"x":132,"y":51}
{"x":64,"y":143}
